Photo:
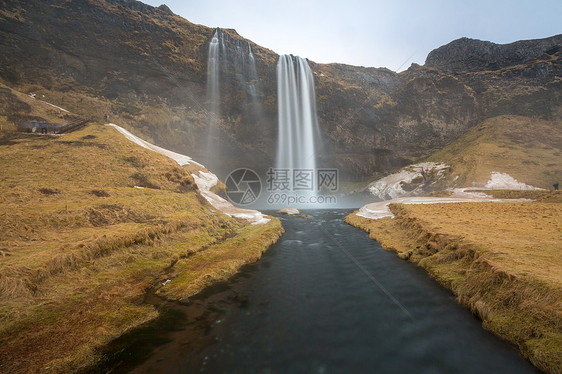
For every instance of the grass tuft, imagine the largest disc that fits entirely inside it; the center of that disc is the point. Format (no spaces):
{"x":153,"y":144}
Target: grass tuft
{"x":48,"y":191}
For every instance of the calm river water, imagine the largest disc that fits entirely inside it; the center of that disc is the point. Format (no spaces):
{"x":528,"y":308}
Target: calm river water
{"x":327,"y":299}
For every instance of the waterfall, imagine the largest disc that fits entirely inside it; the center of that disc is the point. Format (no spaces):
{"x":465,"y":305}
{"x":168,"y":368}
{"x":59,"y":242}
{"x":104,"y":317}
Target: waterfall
{"x":297,"y":114}
{"x":231,"y":76}
{"x":213,"y":97}
{"x":239,"y":60}
{"x":252,"y":73}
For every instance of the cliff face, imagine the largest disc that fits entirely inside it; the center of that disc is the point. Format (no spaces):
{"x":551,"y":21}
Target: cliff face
{"x":147,"y":69}
{"x":389,"y":122}
{"x":471,"y":55}
{"x":113,"y":48}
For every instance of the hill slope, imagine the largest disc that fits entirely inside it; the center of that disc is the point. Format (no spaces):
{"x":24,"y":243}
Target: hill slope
{"x":90,"y":222}
{"x":528,"y":149}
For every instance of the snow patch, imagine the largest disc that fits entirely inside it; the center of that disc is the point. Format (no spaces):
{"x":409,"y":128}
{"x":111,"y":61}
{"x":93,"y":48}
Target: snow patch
{"x":380,"y":209}
{"x":179,"y":158}
{"x":54,"y":106}
{"x":391,"y":185}
{"x":253,"y":216}
{"x":205,"y":181}
{"x":504,"y":181}
{"x":289,"y":211}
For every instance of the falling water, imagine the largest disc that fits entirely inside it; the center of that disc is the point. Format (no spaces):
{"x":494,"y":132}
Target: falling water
{"x":297,"y":114}
{"x":239,"y":57}
{"x":254,"y":91}
{"x":231,"y":69}
{"x":252,"y":73}
{"x":213,"y":97}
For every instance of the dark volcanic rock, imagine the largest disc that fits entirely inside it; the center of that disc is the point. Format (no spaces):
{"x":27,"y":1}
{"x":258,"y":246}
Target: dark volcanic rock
{"x":470,"y":55}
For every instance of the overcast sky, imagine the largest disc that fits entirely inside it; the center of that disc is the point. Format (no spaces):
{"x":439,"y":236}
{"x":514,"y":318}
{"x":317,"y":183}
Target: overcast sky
{"x":376,"y":33}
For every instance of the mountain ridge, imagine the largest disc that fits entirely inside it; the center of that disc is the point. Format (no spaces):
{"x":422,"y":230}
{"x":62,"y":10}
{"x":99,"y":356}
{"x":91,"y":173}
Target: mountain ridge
{"x":147,"y":71}
{"x":466,"y":54}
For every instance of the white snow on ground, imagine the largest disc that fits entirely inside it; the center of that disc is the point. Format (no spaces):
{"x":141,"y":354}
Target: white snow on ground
{"x":179,"y":158}
{"x":380,"y":209}
{"x":289,"y":211}
{"x":253,"y":216}
{"x":390,"y":186}
{"x":205,"y":181}
{"x":503,"y":181}
{"x":54,"y":106}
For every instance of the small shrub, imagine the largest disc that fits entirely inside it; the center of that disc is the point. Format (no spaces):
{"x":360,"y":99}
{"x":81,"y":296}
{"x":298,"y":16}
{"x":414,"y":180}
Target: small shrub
{"x":48,"y":191}
{"x":99,"y":193}
{"x":135,"y":161}
{"x":141,"y":180}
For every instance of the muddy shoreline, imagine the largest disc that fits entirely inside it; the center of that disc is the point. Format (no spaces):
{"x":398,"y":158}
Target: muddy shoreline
{"x":181,"y":326}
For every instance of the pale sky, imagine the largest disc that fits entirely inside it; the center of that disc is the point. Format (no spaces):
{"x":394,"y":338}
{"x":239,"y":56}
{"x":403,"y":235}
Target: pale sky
{"x":374,"y":33}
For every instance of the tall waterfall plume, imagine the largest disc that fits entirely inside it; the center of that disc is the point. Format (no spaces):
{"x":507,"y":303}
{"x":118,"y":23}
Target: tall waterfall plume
{"x":231,"y":69}
{"x":213,"y":97}
{"x":298,"y":122}
{"x":252,"y":73}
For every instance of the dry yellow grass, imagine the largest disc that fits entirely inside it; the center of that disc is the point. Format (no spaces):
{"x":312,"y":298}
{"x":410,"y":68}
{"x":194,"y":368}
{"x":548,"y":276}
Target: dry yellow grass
{"x":526,"y":148}
{"x":79,"y":245}
{"x":18,"y":107}
{"x":222,"y":261}
{"x":543,"y":196}
{"x":523,"y":239}
{"x":502,"y":260}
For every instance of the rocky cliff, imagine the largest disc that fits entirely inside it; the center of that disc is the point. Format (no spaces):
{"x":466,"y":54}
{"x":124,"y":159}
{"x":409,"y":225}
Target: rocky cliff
{"x":146,"y":68}
{"x":470,"y":55}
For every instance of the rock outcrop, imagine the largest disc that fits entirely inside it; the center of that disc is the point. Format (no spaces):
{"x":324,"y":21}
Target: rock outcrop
{"x":471,"y":55}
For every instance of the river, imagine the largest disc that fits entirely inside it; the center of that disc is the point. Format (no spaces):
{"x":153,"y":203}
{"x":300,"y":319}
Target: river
{"x":327,"y":299}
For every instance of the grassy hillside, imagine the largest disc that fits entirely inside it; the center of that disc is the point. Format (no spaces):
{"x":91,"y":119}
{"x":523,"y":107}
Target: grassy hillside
{"x":17,"y":108}
{"x":528,"y":149}
{"x":89,"y":222}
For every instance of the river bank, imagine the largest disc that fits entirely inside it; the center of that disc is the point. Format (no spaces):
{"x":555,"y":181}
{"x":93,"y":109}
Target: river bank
{"x":90,"y":223}
{"x":502,"y":261}
{"x":323,"y":299}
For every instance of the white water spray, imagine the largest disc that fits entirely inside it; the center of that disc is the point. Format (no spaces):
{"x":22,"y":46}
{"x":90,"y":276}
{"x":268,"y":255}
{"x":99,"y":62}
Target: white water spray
{"x":213,"y":95}
{"x":298,"y":122}
{"x":252,"y":73}
{"x":231,"y":69}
